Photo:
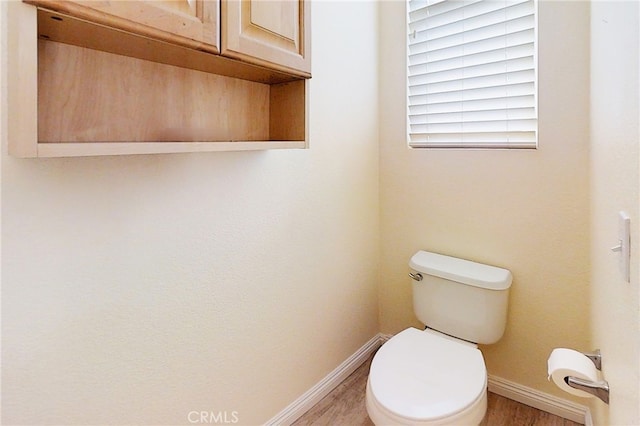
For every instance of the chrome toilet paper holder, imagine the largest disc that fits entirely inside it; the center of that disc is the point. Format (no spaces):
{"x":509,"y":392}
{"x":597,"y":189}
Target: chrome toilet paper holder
{"x":599,"y":389}
{"x":595,"y":357}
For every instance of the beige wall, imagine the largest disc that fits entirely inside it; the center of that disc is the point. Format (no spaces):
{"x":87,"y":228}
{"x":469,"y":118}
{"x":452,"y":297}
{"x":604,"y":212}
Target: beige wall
{"x":136,"y":289}
{"x":615,"y":134}
{"x":527,"y":211}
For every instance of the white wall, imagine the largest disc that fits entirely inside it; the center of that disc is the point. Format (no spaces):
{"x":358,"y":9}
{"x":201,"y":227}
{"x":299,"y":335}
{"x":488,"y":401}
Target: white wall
{"x":527,"y":211}
{"x":615,"y":186}
{"x":137,"y":289}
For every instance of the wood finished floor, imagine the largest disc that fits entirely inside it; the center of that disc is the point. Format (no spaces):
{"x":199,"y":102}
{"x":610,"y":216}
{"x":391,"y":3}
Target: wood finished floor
{"x":345,"y":405}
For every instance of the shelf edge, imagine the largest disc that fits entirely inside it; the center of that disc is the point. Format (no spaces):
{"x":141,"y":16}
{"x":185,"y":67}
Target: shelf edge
{"x":86,"y":149}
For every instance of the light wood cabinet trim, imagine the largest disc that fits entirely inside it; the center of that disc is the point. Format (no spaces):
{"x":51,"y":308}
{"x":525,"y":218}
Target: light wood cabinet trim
{"x":249,"y":45}
{"x":78,"y":10}
{"x":22,"y":80}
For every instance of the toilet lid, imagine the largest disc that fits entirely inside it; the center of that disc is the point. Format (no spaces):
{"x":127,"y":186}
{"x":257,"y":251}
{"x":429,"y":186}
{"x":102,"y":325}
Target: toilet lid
{"x":422,"y":375}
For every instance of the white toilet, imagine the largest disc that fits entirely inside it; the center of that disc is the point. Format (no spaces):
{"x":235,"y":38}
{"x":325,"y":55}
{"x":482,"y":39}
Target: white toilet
{"x":438,"y":376}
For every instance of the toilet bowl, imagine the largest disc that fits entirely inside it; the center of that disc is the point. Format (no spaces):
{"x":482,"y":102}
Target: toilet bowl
{"x":437,"y":376}
{"x":427,"y":378}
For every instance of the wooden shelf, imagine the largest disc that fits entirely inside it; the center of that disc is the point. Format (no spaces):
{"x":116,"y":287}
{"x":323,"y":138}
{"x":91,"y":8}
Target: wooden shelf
{"x":114,"y":148}
{"x":81,"y":89}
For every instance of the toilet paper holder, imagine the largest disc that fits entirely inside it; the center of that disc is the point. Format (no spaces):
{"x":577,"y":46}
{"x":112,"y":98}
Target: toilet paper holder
{"x":595,"y":357}
{"x":599,"y":389}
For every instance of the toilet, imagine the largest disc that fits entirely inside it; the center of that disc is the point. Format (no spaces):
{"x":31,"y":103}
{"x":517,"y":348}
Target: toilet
{"x":437,"y":376}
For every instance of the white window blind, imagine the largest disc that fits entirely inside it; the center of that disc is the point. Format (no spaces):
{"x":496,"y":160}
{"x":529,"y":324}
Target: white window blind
{"x":472,"y":73}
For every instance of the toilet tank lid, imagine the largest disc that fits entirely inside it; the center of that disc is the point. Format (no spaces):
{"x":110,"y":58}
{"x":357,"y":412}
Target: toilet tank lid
{"x":460,"y":270}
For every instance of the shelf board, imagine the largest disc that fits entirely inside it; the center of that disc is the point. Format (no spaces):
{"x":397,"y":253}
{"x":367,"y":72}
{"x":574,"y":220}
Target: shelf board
{"x":126,"y":148}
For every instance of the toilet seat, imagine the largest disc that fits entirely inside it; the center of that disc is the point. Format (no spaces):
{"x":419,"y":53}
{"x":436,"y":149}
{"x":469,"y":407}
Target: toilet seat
{"x":424,"y":377}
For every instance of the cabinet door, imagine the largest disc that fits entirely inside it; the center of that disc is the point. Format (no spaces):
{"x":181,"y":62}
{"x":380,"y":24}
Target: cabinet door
{"x":275,"y":33}
{"x":192,"y":19}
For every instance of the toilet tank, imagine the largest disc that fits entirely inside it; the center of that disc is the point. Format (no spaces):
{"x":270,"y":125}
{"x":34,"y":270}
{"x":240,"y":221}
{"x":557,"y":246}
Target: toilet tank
{"x":461,"y":298}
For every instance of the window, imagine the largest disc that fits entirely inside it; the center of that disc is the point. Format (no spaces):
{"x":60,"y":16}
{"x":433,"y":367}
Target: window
{"x":472,"y":74}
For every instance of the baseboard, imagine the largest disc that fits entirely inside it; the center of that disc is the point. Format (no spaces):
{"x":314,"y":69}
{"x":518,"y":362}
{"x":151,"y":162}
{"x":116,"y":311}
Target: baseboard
{"x":588,"y":420}
{"x":540,"y":400}
{"x":508,"y":389}
{"x":384,"y":337}
{"x":310,"y":398}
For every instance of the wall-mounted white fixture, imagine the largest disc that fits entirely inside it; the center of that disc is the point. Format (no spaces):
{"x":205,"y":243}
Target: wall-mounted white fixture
{"x":624,"y":244}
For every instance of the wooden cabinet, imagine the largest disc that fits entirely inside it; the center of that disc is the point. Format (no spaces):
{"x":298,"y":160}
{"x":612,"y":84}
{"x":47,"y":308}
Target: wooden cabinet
{"x":93,"y":77}
{"x":271,"y":33}
{"x":191,"y":23}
